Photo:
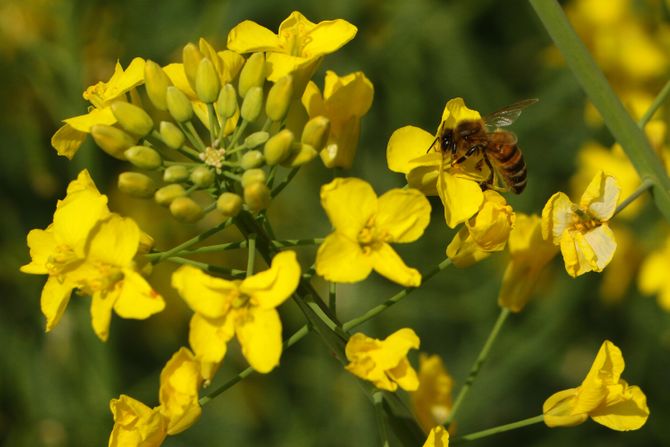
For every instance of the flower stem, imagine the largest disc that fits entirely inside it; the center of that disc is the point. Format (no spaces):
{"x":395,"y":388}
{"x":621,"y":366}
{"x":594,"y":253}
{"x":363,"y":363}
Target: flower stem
{"x":658,"y":101}
{"x":208,"y":267}
{"x":332,"y":297}
{"x":157,"y":257}
{"x":593,"y":82}
{"x":284,"y":183}
{"x":644,"y":186}
{"x":378,"y":400}
{"x":251,"y":259}
{"x":213,"y":123}
{"x":197,"y":140}
{"x":499,"y":429}
{"x":479,"y":362}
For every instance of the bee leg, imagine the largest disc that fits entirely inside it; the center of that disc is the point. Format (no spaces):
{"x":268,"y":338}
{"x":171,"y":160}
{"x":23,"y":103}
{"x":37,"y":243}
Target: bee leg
{"x":465,"y":156}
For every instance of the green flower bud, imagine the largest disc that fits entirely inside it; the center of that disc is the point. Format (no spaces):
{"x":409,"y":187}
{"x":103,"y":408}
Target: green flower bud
{"x":202,"y":176}
{"x":279,"y":98}
{"x":252,"y":74}
{"x":252,"y":159}
{"x":175,"y":174}
{"x":191,"y":58}
{"x":256,"y":139}
{"x":143,"y":157}
{"x":253,"y":176}
{"x":207,"y":83}
{"x":252,"y":104}
{"x":226,"y":105}
{"x":171,"y":135}
{"x":229,"y":204}
{"x":301,"y":154}
{"x":112,"y":140}
{"x":278,"y":148}
{"x":146,"y":243}
{"x":315,"y":132}
{"x":136,"y":184}
{"x":178,"y":104}
{"x":156,"y":83}
{"x":256,"y":196}
{"x":186,"y":209}
{"x":132,"y":118}
{"x":167,"y":194}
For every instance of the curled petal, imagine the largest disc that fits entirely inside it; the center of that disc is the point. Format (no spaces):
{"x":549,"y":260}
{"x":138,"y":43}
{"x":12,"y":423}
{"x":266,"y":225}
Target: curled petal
{"x":272,"y":287}
{"x":390,"y":265}
{"x":67,"y":140}
{"x":204,"y":294}
{"x":461,"y":198}
{"x":601,"y":240}
{"x":403,"y":214}
{"x":464,"y":251}
{"x":135,"y":424}
{"x":601,"y":196}
{"x":629,"y":413}
{"x":557,"y":216}
{"x":42,"y":244}
{"x":55,"y":297}
{"x":101,"y":314}
{"x":558,"y":409}
{"x":83,"y":123}
{"x":340,"y":259}
{"x":180,"y":381}
{"x":349,"y":95}
{"x":259,"y":333}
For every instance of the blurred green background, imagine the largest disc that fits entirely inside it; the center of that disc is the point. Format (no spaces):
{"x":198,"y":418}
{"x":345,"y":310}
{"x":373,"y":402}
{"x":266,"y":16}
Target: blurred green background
{"x":55,"y":388}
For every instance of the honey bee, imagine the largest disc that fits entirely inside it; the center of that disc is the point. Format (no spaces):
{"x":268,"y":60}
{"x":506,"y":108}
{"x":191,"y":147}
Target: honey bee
{"x":498,"y":148}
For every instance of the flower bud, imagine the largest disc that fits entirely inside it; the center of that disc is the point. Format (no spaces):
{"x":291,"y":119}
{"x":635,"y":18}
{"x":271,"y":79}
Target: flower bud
{"x":186,"y":209}
{"x":315,"y":132}
{"x":165,"y":195}
{"x":278,"y":148}
{"x":229,"y":204}
{"x":202,"y":176}
{"x":112,"y":140}
{"x":252,"y":104}
{"x":301,"y":154}
{"x":252,"y":74}
{"x":175,"y":174}
{"x":256,"y":196}
{"x":253,"y":176}
{"x":226,"y":105}
{"x":171,"y":135}
{"x":146,"y":243}
{"x":136,"y":184}
{"x":207,"y":83}
{"x":178,"y":104}
{"x":279,"y":98}
{"x":156,"y":83}
{"x":191,"y":58}
{"x":132,"y":118}
{"x":256,"y":139}
{"x":143,"y":157}
{"x":252,"y":159}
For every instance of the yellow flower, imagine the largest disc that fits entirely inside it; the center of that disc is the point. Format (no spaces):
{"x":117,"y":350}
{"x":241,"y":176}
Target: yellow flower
{"x":413,"y":152}
{"x":344,"y":101}
{"x":364,"y":227}
{"x":135,"y":424}
{"x":247,"y":308}
{"x":431,"y":402}
{"x":384,"y":362}
{"x":90,"y":249}
{"x":621,"y":271}
{"x":654,"y":277}
{"x":529,"y":254}
{"x":178,"y":395}
{"x":438,"y":437}
{"x":299,"y":45}
{"x":69,"y":137}
{"x":587,"y":243}
{"x":603,"y":396}
{"x":484,"y":233}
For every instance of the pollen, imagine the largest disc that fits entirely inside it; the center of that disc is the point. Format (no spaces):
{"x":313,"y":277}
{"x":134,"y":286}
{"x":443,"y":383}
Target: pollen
{"x":213,"y":157}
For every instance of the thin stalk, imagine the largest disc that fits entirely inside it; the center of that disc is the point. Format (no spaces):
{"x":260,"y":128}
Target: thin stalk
{"x":644,"y":186}
{"x":251,"y":259}
{"x":266,"y":125}
{"x":284,"y":183}
{"x":190,"y":137}
{"x":658,"y":101}
{"x":499,"y":429}
{"x":237,"y":132}
{"x":208,"y":267}
{"x":243,"y":244}
{"x":378,"y":400}
{"x":199,"y":143}
{"x":232,"y":176}
{"x":157,"y":257}
{"x":213,"y":123}
{"x":479,"y":362}
{"x":332,"y":297}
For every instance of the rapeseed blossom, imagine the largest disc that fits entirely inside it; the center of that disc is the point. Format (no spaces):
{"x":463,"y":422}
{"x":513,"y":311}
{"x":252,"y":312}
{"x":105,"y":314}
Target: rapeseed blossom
{"x":438,"y":437}
{"x":432,"y":401}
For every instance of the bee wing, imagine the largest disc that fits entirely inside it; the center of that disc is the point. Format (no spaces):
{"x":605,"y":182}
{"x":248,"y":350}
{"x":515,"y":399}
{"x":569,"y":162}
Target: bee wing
{"x":507,"y":115}
{"x":502,"y":137}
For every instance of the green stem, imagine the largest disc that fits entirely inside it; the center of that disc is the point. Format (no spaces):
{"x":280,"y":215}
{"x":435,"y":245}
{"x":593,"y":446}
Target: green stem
{"x":198,"y":141}
{"x":237,"y":132}
{"x":208,"y":267}
{"x":378,"y":400}
{"x":232,"y":176}
{"x":332,"y":297}
{"x":190,"y":137}
{"x":479,"y":362}
{"x":658,"y":101}
{"x":157,"y":257}
{"x":644,"y":186}
{"x":394,"y":299}
{"x":213,"y":123}
{"x":251,"y":259}
{"x":499,"y":429}
{"x":243,"y":244}
{"x":284,"y":182}
{"x":593,"y":82}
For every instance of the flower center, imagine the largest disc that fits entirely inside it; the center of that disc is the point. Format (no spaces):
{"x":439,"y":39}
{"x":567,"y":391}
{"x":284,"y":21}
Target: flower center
{"x":372,"y":237}
{"x":62,"y":257}
{"x":584,"y":221}
{"x":241,"y":301}
{"x":213,"y":157}
{"x":108,"y":276}
{"x":296,"y":40}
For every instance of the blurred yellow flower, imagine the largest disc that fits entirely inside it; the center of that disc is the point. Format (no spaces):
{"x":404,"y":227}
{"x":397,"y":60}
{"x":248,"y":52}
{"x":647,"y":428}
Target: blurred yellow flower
{"x":484,"y":233}
{"x":653,"y":278}
{"x":135,"y":424}
{"x":587,"y":243}
{"x":438,"y":437}
{"x":70,"y":136}
{"x":603,"y":396}
{"x":413,"y":152}
{"x":432,"y":402}
{"x":299,"y":45}
{"x":621,"y":271}
{"x":384,"y":362}
{"x":179,"y":384}
{"x":364,"y":228}
{"x":529,"y":254}
{"x":344,"y":101}
{"x":224,"y":308}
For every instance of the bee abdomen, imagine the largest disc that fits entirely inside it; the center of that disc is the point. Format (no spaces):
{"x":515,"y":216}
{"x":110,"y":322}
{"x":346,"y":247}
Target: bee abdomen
{"x":512,"y":167}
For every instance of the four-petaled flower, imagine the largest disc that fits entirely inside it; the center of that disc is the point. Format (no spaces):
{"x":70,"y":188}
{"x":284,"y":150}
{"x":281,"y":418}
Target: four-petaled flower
{"x":384,"y":362}
{"x":364,"y":228}
{"x":603,"y":396}
{"x":135,"y":424}
{"x":587,"y":243}
{"x":247,"y":308}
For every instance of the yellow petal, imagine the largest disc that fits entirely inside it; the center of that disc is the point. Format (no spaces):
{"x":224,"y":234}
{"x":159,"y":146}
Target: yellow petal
{"x":135,"y":424}
{"x":249,"y":37}
{"x":101,"y":314}
{"x":491,"y":226}
{"x":390,"y":265}
{"x":204,"y":294}
{"x":456,"y":111}
{"x":272,"y":287}
{"x":340,"y":259}
{"x":578,"y":256}
{"x":55,"y":297}
{"x":461,"y":198}
{"x":349,"y":203}
{"x":557,"y":216}
{"x":343,"y":140}
{"x":232,"y":64}
{"x":280,"y":65}
{"x":629,"y":414}
{"x":115,"y":241}
{"x":137,"y":298}
{"x":178,"y":78}
{"x":601,"y":196}
{"x":83,"y":123}
{"x":431,"y":402}
{"x":404,"y":375}
{"x":67,"y":140}
{"x":259,"y":333}
{"x":601,"y":240}
{"x":608,"y":364}
{"x":43,"y":245}
{"x":347,"y":95}
{"x":76,"y":217}
{"x":464,"y":251}
{"x":404,"y":214}
{"x":424,"y":178}
{"x":405,"y":145}
{"x":209,"y":339}
{"x":653,"y":273}
{"x":438,"y":437}
{"x":313,"y":101}
{"x":179,"y":384}
{"x":328,"y":36}
{"x":559,"y":408}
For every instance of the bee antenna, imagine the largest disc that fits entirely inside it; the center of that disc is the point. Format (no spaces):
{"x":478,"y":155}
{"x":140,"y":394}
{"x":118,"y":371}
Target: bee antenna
{"x":433,"y":143}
